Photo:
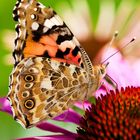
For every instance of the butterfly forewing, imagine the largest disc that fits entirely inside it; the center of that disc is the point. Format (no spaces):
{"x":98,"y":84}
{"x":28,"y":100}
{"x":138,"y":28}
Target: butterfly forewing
{"x":41,"y":32}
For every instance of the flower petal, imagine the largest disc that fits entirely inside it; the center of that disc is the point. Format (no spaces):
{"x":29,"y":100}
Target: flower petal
{"x":5,"y":106}
{"x":69,"y":116}
{"x":101,"y":91}
{"x":53,"y":128}
{"x":85,"y":105}
{"x":115,"y":116}
{"x":53,"y":137}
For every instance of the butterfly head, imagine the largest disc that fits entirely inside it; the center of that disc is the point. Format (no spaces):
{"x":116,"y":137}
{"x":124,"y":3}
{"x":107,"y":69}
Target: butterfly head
{"x":102,"y":69}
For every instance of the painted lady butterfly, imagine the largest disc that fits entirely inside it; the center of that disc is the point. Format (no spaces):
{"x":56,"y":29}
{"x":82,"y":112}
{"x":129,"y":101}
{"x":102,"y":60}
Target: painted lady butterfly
{"x":52,"y":70}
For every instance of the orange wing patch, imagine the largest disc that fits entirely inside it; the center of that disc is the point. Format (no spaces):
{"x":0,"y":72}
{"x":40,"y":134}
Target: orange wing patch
{"x":46,"y":44}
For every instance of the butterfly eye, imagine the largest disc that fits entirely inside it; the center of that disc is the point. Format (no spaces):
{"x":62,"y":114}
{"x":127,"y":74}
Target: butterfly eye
{"x":102,"y":71}
{"x":29,"y":78}
{"x":29,"y":104}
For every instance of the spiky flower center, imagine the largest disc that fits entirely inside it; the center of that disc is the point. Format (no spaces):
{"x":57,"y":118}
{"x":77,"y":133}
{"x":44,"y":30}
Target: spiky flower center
{"x":115,"y":116}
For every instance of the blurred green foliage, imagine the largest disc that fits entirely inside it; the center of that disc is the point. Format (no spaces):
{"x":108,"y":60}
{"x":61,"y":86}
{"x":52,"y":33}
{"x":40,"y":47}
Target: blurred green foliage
{"x":9,"y":129}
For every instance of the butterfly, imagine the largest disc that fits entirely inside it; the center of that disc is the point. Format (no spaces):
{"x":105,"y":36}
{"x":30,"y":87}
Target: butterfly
{"x":51,"y":71}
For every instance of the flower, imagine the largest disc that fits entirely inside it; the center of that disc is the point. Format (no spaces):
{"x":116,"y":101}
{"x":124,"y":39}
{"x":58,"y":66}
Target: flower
{"x":64,"y":134}
{"x":115,"y":116}
{"x":123,"y":72}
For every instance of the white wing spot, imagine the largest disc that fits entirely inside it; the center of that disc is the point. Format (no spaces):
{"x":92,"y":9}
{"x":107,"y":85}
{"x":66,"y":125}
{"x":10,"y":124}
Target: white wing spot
{"x":35,"y":9}
{"x":46,"y":83}
{"x":29,"y":63}
{"x":55,"y":21}
{"x":66,"y":44}
{"x":32,"y":16}
{"x":45,"y":29}
{"x":48,"y":23}
{"x":59,"y":19}
{"x":72,"y":69}
{"x":55,"y":65}
{"x":35,"y":26}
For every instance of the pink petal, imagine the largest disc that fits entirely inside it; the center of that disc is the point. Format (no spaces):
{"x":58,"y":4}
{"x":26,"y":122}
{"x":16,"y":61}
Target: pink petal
{"x":5,"y":105}
{"x":53,"y":137}
{"x":101,"y":91}
{"x":136,"y":70}
{"x":53,"y":128}
{"x":83,"y":105}
{"x":69,"y":116}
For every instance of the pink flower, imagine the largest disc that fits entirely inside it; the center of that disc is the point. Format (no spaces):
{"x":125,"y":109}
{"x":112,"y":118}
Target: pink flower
{"x":120,"y":69}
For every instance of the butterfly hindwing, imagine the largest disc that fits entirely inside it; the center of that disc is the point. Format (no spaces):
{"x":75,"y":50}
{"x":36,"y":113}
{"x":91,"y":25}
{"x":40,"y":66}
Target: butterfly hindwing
{"x":44,"y":88}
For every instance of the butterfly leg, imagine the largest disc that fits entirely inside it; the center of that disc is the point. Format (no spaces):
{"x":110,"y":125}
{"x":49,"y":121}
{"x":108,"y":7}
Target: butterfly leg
{"x":111,"y":81}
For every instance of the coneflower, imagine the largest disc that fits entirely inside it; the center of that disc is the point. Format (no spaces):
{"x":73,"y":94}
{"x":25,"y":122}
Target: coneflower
{"x":116,"y":116}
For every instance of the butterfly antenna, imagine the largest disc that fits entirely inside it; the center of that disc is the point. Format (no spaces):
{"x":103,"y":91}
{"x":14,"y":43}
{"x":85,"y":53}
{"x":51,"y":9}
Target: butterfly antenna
{"x":113,"y":38}
{"x":132,"y":40}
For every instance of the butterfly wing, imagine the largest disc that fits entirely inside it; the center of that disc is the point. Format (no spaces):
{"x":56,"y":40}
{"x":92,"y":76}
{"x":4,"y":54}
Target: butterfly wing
{"x":52,"y":70}
{"x":44,"y":88}
{"x":42,"y":33}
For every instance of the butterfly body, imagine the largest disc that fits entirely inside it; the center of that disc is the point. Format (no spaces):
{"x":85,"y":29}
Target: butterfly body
{"x":52,"y":71}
